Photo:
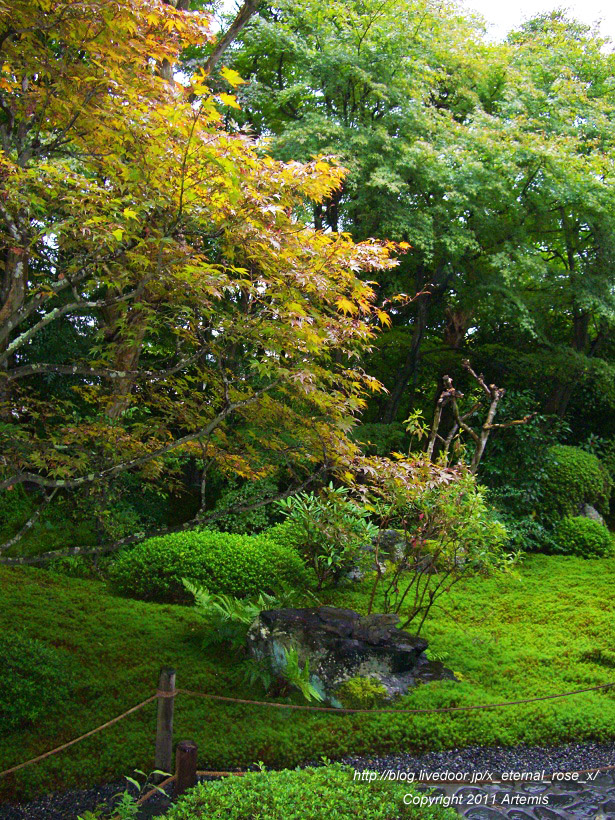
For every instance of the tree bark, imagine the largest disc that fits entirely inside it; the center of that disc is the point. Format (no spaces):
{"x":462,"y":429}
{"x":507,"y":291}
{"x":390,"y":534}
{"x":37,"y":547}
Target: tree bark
{"x":559,"y":398}
{"x":410,"y":365}
{"x":13,"y":287}
{"x":244,"y":15}
{"x":126,"y":359}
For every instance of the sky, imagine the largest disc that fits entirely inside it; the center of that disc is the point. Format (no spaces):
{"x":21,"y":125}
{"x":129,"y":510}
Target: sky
{"x":502,"y":15}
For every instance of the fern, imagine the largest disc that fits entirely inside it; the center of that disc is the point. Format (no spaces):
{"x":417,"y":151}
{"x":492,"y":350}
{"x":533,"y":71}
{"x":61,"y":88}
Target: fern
{"x":297,"y":676}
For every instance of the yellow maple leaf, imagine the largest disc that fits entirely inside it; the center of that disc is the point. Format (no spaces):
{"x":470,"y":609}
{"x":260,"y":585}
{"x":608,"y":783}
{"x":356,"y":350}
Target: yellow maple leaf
{"x":345,"y":305}
{"x":232,"y":77}
{"x":229,"y":99}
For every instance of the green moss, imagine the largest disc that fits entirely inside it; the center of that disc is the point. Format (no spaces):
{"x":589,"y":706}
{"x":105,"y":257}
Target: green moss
{"x":308,"y":794}
{"x":361,"y":693}
{"x":573,"y":477}
{"x":547,"y":631}
{"x":584,"y":537}
{"x":37,"y":677}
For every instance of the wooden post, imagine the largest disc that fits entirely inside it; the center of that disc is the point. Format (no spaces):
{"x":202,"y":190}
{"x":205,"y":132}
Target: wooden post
{"x":185,"y":766}
{"x":164,"y":725}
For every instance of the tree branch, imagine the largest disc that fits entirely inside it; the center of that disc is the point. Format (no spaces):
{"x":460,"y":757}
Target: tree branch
{"x":244,"y":15}
{"x":71,"y":483}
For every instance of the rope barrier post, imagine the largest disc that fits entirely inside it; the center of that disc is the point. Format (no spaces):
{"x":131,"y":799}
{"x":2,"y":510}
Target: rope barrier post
{"x":185,"y":766}
{"x":164,"y":726}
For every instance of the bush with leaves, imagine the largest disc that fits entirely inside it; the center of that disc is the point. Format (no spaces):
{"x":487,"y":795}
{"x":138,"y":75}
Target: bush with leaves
{"x":39,"y":679}
{"x":329,"y":529}
{"x":450,"y":533}
{"x":577,"y":535}
{"x":251,"y":521}
{"x":306,"y":794}
{"x":573,"y":477}
{"x":240,"y":565}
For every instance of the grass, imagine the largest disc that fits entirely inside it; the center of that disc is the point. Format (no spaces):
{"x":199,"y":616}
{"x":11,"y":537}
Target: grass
{"x":548,"y":631}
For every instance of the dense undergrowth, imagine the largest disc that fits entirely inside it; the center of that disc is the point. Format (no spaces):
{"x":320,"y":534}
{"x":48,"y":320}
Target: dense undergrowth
{"x":308,"y":794}
{"x":549,"y":630}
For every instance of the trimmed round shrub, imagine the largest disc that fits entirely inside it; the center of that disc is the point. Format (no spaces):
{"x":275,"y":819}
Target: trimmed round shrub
{"x":574,"y":477}
{"x":240,"y":565}
{"x":584,"y":537}
{"x":306,"y":794}
{"x":39,"y":679}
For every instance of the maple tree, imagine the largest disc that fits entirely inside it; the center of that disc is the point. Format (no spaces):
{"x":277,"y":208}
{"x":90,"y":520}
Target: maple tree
{"x":156,"y":270}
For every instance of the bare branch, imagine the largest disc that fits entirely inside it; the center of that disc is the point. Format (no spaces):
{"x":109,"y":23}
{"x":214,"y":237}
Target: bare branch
{"x":197,"y":521}
{"x":29,"y":523}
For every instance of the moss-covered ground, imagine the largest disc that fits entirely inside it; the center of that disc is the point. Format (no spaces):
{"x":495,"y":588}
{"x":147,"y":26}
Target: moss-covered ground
{"x":549,"y":630}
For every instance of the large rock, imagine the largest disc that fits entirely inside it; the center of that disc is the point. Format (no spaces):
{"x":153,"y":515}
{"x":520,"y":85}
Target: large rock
{"x":587,"y":511}
{"x":340,"y":644}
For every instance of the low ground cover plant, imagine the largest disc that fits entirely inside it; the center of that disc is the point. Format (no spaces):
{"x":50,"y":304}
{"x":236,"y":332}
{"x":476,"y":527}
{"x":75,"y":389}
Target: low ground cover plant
{"x":37,"y":678}
{"x":305,"y":794}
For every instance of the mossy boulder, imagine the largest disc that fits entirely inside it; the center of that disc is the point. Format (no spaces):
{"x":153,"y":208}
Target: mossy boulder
{"x":340,"y":644}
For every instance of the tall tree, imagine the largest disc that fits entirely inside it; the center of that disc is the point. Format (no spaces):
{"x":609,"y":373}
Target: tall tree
{"x":171,"y":254}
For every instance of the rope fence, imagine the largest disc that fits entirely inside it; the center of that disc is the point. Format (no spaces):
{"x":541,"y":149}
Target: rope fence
{"x":186,"y":754}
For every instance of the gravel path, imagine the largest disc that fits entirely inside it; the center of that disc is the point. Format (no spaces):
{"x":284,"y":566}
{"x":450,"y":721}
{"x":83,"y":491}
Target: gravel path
{"x":522,"y":800}
{"x":524,"y":795}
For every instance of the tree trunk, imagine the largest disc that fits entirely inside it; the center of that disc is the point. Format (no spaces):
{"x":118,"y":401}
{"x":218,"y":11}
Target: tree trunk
{"x":126,"y":359}
{"x":13,"y":286}
{"x":561,"y":393}
{"x":410,"y":365}
{"x":457,"y":322}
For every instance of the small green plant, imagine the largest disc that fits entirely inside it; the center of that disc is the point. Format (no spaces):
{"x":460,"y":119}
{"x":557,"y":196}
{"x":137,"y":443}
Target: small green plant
{"x":361,"y":693}
{"x":298,"y":676}
{"x":127,"y":807}
{"x":329,"y":530}
{"x":228,"y":618}
{"x":584,"y":537}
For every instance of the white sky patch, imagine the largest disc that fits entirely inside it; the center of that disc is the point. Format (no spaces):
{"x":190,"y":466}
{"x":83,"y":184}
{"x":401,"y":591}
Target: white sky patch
{"x":501,"y":16}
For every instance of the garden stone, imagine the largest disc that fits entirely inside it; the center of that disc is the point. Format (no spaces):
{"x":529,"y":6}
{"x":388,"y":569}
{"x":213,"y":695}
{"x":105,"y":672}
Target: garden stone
{"x":339,"y":644}
{"x":587,"y":511}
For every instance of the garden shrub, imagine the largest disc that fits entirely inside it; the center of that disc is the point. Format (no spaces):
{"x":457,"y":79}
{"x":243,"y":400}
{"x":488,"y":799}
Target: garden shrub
{"x":574,"y":477}
{"x":38,"y":677}
{"x":361,"y":693}
{"x":251,"y":521}
{"x":239,"y":565}
{"x":303,"y":794}
{"x":584,"y":537}
{"x":329,"y":530}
